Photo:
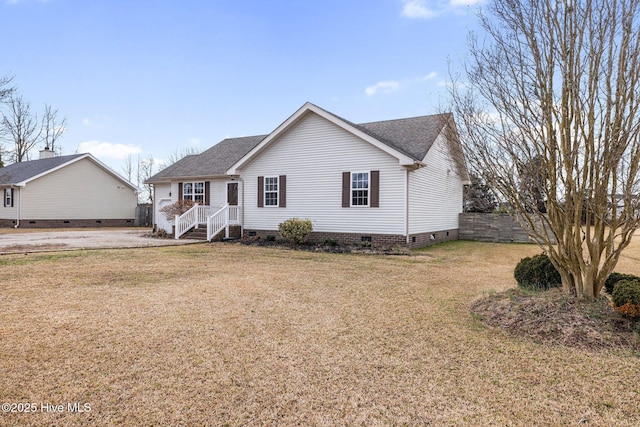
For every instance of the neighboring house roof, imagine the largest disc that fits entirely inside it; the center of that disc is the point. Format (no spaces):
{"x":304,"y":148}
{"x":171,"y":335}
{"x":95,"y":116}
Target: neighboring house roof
{"x":407,"y":139}
{"x":20,"y":173}
{"x":213,"y":162}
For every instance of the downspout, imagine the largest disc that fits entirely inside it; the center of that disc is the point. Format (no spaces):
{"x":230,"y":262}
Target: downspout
{"x":18,"y":207}
{"x":406,"y":206}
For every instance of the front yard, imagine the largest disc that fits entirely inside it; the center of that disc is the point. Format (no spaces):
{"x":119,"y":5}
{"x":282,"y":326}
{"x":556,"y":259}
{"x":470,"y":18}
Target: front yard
{"x":228,"y":334}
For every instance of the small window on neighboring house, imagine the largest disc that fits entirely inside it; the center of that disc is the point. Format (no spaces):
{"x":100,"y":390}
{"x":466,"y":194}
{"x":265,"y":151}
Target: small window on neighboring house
{"x":8,"y":197}
{"x":193,"y":191}
{"x":271,"y":191}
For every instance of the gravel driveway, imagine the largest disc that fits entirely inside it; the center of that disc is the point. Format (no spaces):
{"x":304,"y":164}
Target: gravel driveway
{"x":21,"y":240}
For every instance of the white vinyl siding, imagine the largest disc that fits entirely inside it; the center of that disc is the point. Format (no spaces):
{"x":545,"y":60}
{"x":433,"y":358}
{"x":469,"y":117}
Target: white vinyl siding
{"x":435,"y":192}
{"x":313,"y":155}
{"x":80,"y":190}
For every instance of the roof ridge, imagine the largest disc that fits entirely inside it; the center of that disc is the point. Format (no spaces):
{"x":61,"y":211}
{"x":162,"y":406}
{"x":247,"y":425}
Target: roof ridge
{"x":406,"y":118}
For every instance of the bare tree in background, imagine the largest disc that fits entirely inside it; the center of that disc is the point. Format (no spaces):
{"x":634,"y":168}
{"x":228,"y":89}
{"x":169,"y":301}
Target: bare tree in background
{"x":180,"y":154}
{"x":127,"y":168}
{"x":52,"y":127}
{"x":5,"y":89}
{"x":145,"y":171}
{"x":20,"y":127}
{"x":5,"y":92}
{"x":556,"y":84}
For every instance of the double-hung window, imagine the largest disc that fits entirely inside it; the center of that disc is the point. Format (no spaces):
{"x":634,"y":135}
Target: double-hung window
{"x":193,"y":191}
{"x":8,"y":197}
{"x":271,"y":191}
{"x":359,"y":188}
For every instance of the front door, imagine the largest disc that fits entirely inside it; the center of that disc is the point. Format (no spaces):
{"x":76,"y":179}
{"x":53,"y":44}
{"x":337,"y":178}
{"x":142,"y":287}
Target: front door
{"x":232,"y":193}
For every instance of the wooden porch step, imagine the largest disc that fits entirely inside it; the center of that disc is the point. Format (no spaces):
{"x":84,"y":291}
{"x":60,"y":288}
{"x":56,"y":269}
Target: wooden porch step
{"x":196,"y":233}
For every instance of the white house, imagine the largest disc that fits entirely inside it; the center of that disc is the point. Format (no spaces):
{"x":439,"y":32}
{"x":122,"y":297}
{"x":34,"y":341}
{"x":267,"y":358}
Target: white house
{"x":65,"y":191}
{"x":389,"y":182}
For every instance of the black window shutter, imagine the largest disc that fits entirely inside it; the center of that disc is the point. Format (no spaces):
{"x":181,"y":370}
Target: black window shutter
{"x":346,"y":189}
{"x":179,"y":191}
{"x":207,"y":190}
{"x":282,"y":189}
{"x":261,"y":191}
{"x":4,"y":198}
{"x":375,"y":189}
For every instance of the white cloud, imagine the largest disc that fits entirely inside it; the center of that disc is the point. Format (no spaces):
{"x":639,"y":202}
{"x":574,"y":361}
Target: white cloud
{"x":384,"y":87}
{"x":102,"y":149}
{"x":417,"y":9}
{"x":457,"y":3}
{"x":390,"y":86}
{"x":195,"y":141}
{"x":431,"y":75}
{"x":427,"y":9}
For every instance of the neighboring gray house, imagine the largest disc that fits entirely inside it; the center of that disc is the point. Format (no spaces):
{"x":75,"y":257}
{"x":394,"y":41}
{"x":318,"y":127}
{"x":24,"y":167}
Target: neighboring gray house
{"x":66,"y":191}
{"x":389,"y":182}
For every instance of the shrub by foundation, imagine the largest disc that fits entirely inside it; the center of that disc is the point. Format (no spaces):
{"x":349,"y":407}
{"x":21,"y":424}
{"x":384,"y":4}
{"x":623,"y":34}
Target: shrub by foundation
{"x":295,"y":229}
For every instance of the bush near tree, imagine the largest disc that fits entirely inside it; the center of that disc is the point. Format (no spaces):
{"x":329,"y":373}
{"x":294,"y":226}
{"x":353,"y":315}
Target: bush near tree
{"x":615,"y":278}
{"x":626,"y":298}
{"x":537,"y":273}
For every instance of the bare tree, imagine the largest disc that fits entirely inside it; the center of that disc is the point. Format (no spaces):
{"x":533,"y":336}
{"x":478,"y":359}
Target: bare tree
{"x":52,"y":127}
{"x":556,"y":83}
{"x":5,"y":93}
{"x":20,"y":127}
{"x":127,"y":168}
{"x":178,"y":154}
{"x":146,"y":169}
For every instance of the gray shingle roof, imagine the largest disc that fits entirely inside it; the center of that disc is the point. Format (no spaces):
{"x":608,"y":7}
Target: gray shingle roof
{"x":22,"y":171}
{"x":214,"y":161}
{"x":413,"y":136}
{"x":410,"y":136}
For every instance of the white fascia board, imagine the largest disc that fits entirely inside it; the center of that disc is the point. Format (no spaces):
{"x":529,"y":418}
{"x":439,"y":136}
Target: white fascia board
{"x":403,"y":159}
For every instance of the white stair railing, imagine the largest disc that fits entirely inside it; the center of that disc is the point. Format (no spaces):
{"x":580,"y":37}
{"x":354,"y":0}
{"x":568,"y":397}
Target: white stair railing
{"x":186,"y":221}
{"x":234,"y":215}
{"x":217,"y":222}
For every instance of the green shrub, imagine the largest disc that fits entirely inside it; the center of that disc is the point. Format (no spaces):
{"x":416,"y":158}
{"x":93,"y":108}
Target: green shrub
{"x":295,"y":229}
{"x":615,"y":278}
{"x":537,"y":273}
{"x":626,"y":298}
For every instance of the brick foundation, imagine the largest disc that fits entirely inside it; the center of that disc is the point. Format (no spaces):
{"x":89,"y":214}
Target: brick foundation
{"x":70,"y":223}
{"x":375,"y":240}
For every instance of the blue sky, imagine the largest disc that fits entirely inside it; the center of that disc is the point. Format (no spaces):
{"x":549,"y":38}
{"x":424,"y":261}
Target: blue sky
{"x":149,"y":77}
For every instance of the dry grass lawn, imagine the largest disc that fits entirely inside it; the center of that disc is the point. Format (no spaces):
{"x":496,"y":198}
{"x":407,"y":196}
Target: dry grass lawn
{"x":233,"y":335}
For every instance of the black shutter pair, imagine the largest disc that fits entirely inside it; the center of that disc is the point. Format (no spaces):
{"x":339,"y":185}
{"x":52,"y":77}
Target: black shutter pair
{"x":374,"y":189}
{"x":282,"y":191}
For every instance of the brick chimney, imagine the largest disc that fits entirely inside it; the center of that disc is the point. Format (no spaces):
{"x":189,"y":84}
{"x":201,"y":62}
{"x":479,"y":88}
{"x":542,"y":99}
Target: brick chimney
{"x":46,"y":153}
